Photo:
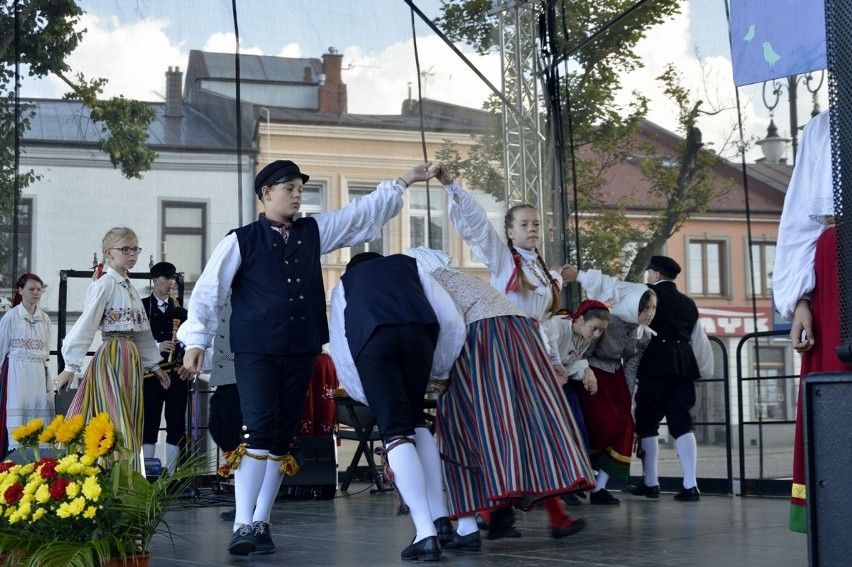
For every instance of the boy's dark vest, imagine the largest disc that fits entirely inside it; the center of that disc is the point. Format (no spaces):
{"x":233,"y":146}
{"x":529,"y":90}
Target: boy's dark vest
{"x":161,"y":321}
{"x":384,"y":291}
{"x":670,"y":352}
{"x":277,"y":295}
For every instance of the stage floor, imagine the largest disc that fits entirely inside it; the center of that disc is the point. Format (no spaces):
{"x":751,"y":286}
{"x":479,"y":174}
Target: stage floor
{"x":360,"y":529}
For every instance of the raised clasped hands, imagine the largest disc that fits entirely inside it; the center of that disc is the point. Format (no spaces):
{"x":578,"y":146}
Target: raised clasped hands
{"x":442,"y":172}
{"x":569,"y":273}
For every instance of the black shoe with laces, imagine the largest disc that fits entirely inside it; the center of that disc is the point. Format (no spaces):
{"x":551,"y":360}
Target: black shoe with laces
{"x":688,"y":495}
{"x":242,"y":543}
{"x":603,"y":496}
{"x":263,"y":538}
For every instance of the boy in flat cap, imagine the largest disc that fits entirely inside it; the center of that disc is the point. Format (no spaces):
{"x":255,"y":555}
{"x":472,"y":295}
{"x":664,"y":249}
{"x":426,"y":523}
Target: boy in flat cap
{"x":164,"y":314}
{"x":677,"y":355}
{"x":278,"y":324}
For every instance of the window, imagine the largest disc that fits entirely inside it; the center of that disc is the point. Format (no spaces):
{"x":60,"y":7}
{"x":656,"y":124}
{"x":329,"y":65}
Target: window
{"x":25,"y":239}
{"x":357,"y":192}
{"x":417,"y":218}
{"x":763,"y":255}
{"x":184,"y":237}
{"x":312,"y":198}
{"x":707,"y":268}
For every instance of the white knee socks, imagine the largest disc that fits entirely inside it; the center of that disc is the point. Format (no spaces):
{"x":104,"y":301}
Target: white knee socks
{"x":248,"y":479}
{"x":172,"y":456}
{"x":272,"y":478}
{"x":687,"y":451}
{"x":148,"y":450}
{"x":427,"y":451}
{"x":467,"y":525}
{"x":600,"y":483}
{"x":651,"y":446}
{"x":410,"y":480}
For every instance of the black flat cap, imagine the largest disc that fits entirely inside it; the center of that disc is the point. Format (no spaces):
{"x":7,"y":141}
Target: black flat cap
{"x":361,"y":258}
{"x":278,"y":171}
{"x":163,"y":269}
{"x":665,"y":265}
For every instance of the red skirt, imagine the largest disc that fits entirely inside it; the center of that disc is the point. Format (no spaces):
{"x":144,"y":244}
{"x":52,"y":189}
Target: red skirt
{"x":825,"y":306}
{"x":609,"y":423}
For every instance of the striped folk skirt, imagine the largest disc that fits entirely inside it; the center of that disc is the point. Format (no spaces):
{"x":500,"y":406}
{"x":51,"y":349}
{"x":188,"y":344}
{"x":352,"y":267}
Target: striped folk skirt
{"x":113,"y":384}
{"x":609,"y":422}
{"x":506,"y":434}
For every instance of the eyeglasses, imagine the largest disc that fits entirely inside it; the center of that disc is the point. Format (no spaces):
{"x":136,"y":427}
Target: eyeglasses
{"x":127,"y":250}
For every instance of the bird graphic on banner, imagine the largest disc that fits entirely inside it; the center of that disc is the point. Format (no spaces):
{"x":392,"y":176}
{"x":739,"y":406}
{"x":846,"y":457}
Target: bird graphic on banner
{"x":750,"y":34}
{"x":769,"y":54}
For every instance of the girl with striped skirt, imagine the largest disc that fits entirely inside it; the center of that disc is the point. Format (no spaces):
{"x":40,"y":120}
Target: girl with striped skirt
{"x":113,"y":379}
{"x":506,"y":435}
{"x":519,"y":272}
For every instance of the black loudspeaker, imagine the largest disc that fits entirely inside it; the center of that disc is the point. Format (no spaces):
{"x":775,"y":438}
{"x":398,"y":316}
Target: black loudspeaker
{"x":317,"y":476}
{"x":827,"y":405}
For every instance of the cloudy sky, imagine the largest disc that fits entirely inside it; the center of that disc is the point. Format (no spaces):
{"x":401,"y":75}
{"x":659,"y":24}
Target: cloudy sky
{"x":133,"y":42}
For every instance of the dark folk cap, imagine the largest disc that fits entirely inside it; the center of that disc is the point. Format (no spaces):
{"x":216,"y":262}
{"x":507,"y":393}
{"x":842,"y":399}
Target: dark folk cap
{"x":278,"y":171}
{"x":665,"y":265}
{"x":163,"y":269}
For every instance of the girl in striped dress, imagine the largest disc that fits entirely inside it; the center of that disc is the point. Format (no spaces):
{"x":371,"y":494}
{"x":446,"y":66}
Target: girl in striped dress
{"x":501,"y":411}
{"x":113,"y":379}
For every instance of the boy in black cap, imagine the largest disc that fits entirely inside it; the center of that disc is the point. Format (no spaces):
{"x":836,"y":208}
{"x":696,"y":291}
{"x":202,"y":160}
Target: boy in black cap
{"x":677,"y":355}
{"x":164,"y":314}
{"x":278,"y":324}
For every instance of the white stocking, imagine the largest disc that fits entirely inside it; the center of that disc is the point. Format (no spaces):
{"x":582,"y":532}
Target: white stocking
{"x":687,"y":451}
{"x":430,"y":459}
{"x":651,"y":446}
{"x":410,"y":480}
{"x":268,"y":491}
{"x":248,"y":478}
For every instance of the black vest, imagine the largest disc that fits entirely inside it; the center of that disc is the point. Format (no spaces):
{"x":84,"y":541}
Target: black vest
{"x":277,"y":294}
{"x":161,"y":321}
{"x":670,"y":352}
{"x":384,"y":291}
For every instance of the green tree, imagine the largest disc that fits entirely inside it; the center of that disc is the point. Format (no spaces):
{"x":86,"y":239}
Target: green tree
{"x":49,"y":33}
{"x":603,"y":130}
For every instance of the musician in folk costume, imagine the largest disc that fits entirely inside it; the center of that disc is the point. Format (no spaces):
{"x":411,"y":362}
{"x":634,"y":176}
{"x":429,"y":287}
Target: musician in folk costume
{"x":164,"y":315}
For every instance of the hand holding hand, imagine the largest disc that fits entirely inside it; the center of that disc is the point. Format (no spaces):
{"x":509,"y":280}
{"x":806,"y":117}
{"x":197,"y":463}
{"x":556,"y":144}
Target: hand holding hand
{"x":442,"y":172}
{"x":569,"y":273}
{"x":438,"y":386}
{"x":561,"y":373}
{"x":420,"y":172}
{"x":167,"y":347}
{"x":590,"y":382}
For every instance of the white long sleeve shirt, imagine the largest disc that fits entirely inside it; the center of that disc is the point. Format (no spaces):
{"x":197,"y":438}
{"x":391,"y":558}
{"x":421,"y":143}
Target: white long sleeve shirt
{"x":471,"y":221}
{"x":358,"y":222}
{"x":808,"y":203}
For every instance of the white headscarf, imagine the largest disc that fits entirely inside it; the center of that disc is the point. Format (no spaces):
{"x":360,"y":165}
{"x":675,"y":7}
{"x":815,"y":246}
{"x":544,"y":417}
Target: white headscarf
{"x":627,"y":309}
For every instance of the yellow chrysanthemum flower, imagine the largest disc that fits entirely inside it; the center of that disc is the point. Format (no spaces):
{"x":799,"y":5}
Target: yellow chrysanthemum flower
{"x":72,"y":490}
{"x":100,"y":435}
{"x":28,"y":429}
{"x":77,"y":506}
{"x":70,"y":429}
{"x":49,"y":433}
{"x":42,"y":495}
{"x":63,"y":511}
{"x":90,"y":512}
{"x":38,"y":514}
{"x":91,"y":488}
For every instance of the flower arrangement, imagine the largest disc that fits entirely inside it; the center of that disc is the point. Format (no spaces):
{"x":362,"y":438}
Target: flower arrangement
{"x":85,"y":506}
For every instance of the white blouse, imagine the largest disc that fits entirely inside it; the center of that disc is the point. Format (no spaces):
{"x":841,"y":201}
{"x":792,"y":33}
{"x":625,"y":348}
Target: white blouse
{"x":112,"y":305}
{"x":471,"y":220}
{"x":358,"y":222}
{"x":809,"y":201}
{"x":25,"y":336}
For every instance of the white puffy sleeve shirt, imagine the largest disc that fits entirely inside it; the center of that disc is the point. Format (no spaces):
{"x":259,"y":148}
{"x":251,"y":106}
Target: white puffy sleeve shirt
{"x":112,"y":305}
{"x":809,"y":200}
{"x":358,"y":222}
{"x":451,"y":336}
{"x":471,"y":221}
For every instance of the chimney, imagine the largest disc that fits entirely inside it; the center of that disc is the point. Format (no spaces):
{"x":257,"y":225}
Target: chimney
{"x":174,"y":93}
{"x":332,"y":92}
{"x":309,"y":74}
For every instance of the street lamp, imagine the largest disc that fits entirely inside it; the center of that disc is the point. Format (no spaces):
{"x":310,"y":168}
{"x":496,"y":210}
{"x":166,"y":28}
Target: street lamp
{"x":773,"y":145}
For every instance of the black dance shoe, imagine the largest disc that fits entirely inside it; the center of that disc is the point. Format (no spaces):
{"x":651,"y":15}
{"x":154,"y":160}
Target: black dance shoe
{"x":469,"y":542}
{"x":642,"y":490}
{"x":603,"y":496}
{"x":242,"y":543}
{"x":688,"y":495}
{"x":570,"y":527}
{"x":427,"y":549}
{"x":262,"y":538}
{"x":446,"y":533}
{"x":502,"y":524}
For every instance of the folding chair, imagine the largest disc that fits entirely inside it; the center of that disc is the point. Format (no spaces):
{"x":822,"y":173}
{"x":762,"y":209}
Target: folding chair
{"x":359,"y":425}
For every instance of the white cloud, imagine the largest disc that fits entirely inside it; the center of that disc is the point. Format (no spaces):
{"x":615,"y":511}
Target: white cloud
{"x":378,"y":82}
{"x":226,"y":43}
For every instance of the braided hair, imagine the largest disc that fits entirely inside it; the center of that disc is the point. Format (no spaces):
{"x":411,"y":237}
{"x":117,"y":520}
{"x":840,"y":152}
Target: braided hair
{"x":518,"y":281}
